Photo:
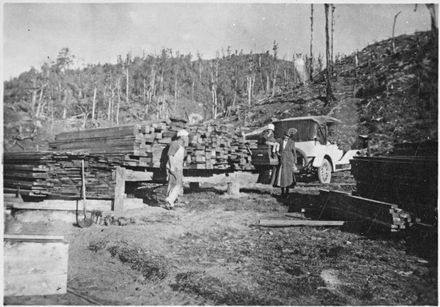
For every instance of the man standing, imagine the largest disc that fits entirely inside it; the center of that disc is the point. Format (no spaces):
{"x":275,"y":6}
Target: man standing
{"x":176,"y":153}
{"x":285,"y":176}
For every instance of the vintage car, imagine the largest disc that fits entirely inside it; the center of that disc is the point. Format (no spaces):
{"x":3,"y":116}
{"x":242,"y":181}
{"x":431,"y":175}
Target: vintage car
{"x":316,"y":155}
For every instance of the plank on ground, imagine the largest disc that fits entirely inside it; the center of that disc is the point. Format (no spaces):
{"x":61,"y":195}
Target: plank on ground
{"x":290,"y":223}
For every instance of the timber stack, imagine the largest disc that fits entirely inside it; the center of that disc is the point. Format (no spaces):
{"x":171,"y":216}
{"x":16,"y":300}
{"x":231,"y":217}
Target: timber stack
{"x":58,"y":175}
{"x":376,"y":215}
{"x":211,"y":146}
{"x":407,"y":177}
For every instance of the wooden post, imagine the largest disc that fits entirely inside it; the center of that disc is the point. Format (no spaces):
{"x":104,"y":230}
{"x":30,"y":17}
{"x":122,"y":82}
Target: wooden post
{"x":118,"y":203}
{"x":233,"y":188}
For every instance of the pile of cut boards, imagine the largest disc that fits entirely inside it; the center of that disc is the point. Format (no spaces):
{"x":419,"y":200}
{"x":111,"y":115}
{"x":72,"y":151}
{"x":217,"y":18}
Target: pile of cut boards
{"x":58,"y":175}
{"x":377,"y":215}
{"x":407,"y":178}
{"x":211,"y":146}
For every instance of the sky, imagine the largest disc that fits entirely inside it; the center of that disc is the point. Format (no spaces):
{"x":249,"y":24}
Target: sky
{"x":98,"y":32}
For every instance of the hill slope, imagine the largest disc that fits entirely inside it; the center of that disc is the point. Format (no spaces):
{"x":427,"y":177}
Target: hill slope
{"x":392,"y":97}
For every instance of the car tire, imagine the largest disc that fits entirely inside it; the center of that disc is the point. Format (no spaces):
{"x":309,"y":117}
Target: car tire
{"x":325,"y":172}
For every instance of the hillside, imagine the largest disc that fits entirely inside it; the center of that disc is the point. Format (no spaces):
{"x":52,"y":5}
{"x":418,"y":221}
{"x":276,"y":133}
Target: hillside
{"x":391,"y":96}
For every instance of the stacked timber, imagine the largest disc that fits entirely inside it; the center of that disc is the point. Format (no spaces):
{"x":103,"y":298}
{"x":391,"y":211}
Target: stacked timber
{"x":217,"y":147}
{"x":375,"y":214}
{"x":27,"y":173}
{"x":127,"y":138}
{"x":211,"y":146}
{"x":409,"y":181}
{"x":58,"y":175}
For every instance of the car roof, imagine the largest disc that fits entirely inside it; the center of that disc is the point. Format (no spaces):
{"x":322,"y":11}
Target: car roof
{"x":323,"y":119}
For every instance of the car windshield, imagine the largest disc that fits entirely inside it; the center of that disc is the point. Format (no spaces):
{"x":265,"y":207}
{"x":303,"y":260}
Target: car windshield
{"x":306,"y":130}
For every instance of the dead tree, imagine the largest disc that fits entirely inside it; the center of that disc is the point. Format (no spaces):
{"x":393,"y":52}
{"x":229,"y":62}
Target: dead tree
{"x":94,"y":104}
{"x":333,"y":35}
{"x":275,"y":49}
{"x":329,"y":92}
{"x":394,"y":26}
{"x":311,"y":43}
{"x":431,"y":9}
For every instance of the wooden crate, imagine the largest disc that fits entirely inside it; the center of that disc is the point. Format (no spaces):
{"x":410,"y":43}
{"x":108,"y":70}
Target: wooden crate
{"x":35,"y":265}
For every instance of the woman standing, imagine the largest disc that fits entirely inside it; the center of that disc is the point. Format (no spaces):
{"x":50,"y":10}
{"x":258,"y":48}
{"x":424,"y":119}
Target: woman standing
{"x":285,"y":175}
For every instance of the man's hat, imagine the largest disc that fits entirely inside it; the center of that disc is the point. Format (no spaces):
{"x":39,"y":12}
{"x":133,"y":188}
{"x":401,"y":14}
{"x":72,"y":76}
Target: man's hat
{"x":271,"y":127}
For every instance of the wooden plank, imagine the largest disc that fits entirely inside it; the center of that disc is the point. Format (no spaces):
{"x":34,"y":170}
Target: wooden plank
{"x":118,"y":205}
{"x":291,"y":223}
{"x":8,"y":237}
{"x":24,"y":167}
{"x":99,"y":132}
{"x":35,"y":265}
{"x":132,"y":175}
{"x":62,"y":205}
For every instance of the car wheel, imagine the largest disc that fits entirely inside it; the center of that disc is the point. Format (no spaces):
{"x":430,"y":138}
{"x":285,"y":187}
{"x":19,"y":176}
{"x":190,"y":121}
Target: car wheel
{"x":325,"y":172}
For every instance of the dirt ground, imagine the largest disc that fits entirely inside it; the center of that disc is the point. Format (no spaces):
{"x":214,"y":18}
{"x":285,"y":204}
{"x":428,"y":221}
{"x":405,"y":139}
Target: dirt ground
{"x":207,"y":252}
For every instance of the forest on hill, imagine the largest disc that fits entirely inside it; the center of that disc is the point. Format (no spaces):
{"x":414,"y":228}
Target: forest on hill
{"x":388,"y":90}
{"x":143,"y":88}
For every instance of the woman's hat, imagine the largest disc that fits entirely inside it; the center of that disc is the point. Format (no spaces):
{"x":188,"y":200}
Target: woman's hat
{"x":292,"y":131}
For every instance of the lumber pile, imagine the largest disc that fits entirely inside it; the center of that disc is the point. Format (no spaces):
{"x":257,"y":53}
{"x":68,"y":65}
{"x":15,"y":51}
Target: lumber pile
{"x":375,"y":214}
{"x":409,"y":181}
{"x":217,"y":147}
{"x":58,"y":175}
{"x":27,"y":173}
{"x":211,"y":146}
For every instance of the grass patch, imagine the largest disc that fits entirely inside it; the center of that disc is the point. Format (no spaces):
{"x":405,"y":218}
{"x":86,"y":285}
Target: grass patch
{"x":151,"y":266}
{"x":220,"y":292}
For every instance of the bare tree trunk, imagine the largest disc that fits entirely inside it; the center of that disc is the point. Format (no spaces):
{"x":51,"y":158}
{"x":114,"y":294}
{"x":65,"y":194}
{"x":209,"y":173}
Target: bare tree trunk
{"x":144,"y":91}
{"x":65,"y":105}
{"x":175,"y":87}
{"x":119,"y":101}
{"x":253,"y":85}
{"x":51,"y":116}
{"x":333,"y":35}
{"x":274,"y":79}
{"x":311,"y":43}
{"x":434,"y":28}
{"x":394,"y":26}
{"x":110,"y":105}
{"x":192,"y":91}
{"x":127,"y":87}
{"x":248,"y":83}
{"x":37,"y":113}
{"x":152,"y":84}
{"x":329,"y":94}
{"x":267,"y":84}
{"x":94,"y":104}
{"x":34,"y":95}
{"x":275,"y":58}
